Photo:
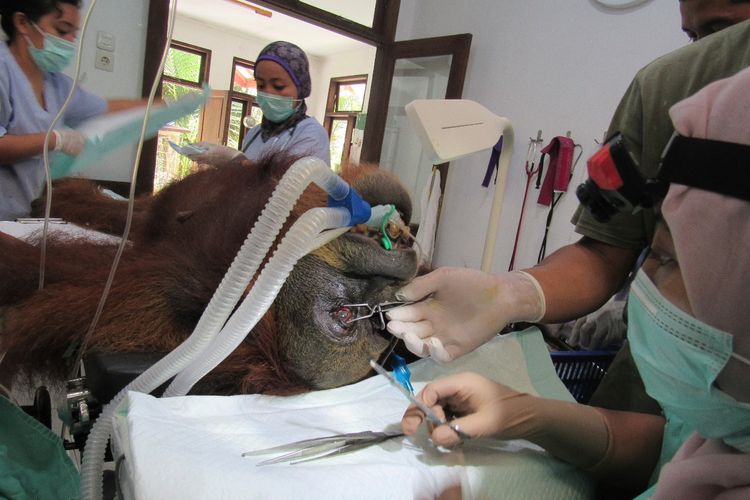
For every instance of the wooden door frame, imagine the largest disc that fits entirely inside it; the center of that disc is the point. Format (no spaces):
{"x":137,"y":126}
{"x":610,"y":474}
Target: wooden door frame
{"x":458,"y":46}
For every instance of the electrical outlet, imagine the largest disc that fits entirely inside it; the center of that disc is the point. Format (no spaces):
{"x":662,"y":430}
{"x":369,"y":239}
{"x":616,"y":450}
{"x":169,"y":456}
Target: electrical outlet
{"x":104,"y":60}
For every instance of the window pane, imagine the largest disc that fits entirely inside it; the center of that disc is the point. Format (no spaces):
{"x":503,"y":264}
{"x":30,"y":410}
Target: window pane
{"x":244,"y":80}
{"x":183,"y":65}
{"x":351,"y":96}
{"x":338,"y":137}
{"x":236,"y":114}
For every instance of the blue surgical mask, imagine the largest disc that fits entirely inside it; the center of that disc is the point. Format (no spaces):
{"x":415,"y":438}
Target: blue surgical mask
{"x":55,"y":54}
{"x":276,"y":108}
{"x":679,"y":359}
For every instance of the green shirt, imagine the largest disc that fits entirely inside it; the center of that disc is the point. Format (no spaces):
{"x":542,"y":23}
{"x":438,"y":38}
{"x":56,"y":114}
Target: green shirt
{"x":643,"y":119}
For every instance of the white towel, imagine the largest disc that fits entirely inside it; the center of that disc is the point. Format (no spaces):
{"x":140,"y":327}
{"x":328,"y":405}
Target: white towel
{"x":430,"y":211}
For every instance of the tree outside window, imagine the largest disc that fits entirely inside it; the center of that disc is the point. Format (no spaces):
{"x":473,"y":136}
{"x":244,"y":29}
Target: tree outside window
{"x":185,"y":72}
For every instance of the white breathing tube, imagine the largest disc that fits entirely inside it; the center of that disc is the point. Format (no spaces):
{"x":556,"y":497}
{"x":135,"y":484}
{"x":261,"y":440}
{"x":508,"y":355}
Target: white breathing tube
{"x":294,"y":246}
{"x":228,"y":293}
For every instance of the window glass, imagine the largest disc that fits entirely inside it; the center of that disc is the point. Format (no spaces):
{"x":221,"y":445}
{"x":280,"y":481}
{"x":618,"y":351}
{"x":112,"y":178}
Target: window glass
{"x":184,"y":73}
{"x":244,"y":79}
{"x":183,"y":65}
{"x":236,"y":114}
{"x":338,"y":137}
{"x":351,"y":96}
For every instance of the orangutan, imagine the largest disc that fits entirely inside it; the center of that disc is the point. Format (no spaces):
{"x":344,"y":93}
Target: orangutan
{"x":182,"y":242}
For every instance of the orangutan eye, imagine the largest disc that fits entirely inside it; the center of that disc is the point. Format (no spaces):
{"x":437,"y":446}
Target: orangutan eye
{"x":344,"y":315}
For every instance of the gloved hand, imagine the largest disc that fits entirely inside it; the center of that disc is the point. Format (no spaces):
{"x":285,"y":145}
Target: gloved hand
{"x":465,"y":309}
{"x":69,"y":141}
{"x":483,"y":408}
{"x":605,"y":328}
{"x":215,"y":154}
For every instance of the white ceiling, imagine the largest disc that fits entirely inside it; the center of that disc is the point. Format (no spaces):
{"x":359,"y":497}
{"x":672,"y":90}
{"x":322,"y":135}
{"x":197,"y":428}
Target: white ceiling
{"x":314,"y":40}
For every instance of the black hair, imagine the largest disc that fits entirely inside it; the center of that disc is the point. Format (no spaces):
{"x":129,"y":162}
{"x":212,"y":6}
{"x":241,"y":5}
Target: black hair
{"x":33,"y":9}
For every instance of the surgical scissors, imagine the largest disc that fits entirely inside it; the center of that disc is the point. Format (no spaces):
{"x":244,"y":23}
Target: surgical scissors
{"x":378,"y":309}
{"x":328,"y":446}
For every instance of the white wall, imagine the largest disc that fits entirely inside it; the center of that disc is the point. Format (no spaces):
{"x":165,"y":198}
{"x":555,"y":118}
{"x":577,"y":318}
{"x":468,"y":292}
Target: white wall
{"x":128,"y":26}
{"x":352,"y":62}
{"x":545,"y":64}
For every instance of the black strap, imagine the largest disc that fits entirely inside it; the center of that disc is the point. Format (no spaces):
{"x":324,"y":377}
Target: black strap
{"x":721,"y":167}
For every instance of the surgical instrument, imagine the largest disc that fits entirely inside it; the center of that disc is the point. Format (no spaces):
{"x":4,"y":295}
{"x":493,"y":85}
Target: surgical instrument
{"x":328,"y":446}
{"x":378,"y":309}
{"x":431,"y":415}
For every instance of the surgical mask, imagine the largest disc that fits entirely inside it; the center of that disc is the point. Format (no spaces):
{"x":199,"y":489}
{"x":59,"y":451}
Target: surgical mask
{"x":679,"y":359}
{"x":55,"y":54}
{"x":276,"y":108}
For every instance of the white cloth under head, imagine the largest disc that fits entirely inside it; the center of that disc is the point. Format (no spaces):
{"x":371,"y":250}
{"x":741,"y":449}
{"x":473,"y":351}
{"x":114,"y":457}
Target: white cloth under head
{"x":190,"y":447}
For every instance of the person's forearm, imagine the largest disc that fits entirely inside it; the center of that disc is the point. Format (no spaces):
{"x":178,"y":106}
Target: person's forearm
{"x":577,"y":279}
{"x":620,"y":448}
{"x":19,"y":147}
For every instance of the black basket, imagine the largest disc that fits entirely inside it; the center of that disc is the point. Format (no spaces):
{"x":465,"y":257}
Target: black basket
{"x":581,"y":371}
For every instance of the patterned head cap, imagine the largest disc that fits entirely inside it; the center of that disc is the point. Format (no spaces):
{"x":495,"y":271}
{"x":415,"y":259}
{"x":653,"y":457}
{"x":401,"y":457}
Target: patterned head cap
{"x":294,"y":62}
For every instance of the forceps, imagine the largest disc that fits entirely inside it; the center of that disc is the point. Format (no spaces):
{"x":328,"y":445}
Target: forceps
{"x":313,"y":449}
{"x":379,"y":309}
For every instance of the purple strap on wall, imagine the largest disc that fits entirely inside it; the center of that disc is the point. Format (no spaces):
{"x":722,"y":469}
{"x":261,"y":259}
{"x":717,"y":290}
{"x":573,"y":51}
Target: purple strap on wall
{"x":492,"y":165}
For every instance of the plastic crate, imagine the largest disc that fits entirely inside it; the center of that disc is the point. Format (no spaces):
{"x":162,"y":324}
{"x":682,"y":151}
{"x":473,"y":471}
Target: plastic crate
{"x":581,"y":371}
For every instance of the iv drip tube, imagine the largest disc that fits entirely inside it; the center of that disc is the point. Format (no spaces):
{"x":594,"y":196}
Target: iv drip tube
{"x":228,"y":293}
{"x":294,"y":246}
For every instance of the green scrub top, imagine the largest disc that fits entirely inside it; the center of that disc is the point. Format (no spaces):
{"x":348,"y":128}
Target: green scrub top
{"x":33,"y":461}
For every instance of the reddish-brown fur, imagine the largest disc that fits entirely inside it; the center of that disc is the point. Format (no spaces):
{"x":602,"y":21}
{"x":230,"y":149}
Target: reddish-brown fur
{"x":183,"y":241}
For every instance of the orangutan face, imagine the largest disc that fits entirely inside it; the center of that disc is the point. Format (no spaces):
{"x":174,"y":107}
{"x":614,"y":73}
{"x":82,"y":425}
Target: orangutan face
{"x":318,"y":339}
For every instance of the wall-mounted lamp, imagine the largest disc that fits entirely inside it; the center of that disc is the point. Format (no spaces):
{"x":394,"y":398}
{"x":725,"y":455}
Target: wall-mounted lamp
{"x":452,"y":128}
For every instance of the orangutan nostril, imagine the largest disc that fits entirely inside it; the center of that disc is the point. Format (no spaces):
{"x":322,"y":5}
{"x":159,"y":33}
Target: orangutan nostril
{"x":344,"y":315}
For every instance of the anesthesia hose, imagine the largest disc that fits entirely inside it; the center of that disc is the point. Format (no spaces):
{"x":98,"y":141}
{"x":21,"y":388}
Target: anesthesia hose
{"x":228,"y":293}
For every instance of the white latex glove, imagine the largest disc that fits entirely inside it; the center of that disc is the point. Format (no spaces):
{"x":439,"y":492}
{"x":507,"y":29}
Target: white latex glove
{"x":484,"y":408}
{"x":605,"y":328}
{"x":462,"y":309}
{"x":69,"y":141}
{"x":215,"y":154}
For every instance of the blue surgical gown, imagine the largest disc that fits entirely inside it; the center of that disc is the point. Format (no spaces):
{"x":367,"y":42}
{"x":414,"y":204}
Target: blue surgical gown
{"x":21,"y":114}
{"x":307,"y":137}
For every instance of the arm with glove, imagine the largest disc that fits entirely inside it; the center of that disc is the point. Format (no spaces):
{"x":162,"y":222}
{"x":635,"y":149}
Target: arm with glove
{"x":19,"y":147}
{"x":618,"y":447}
{"x":605,"y":328}
{"x":213,"y":154}
{"x":462,"y":308}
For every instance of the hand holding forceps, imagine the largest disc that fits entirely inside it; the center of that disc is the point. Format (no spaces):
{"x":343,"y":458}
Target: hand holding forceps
{"x":368,"y":311}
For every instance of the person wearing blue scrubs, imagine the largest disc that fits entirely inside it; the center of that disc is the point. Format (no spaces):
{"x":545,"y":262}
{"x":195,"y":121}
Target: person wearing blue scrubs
{"x":283,"y":78}
{"x":41,"y":43}
{"x":282,"y":73}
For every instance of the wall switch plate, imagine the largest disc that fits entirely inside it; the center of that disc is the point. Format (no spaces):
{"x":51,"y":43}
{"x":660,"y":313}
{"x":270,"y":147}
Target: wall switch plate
{"x":104,"y":60}
{"x":105,"y":41}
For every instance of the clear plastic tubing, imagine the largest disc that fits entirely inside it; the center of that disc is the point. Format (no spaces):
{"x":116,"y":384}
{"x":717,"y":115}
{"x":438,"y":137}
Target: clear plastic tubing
{"x":294,"y":246}
{"x":230,"y":290}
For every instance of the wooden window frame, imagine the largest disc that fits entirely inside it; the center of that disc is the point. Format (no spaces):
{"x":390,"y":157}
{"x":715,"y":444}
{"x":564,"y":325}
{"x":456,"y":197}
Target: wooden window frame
{"x":203,"y":71}
{"x":235,"y":96}
{"x":350,"y":116}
